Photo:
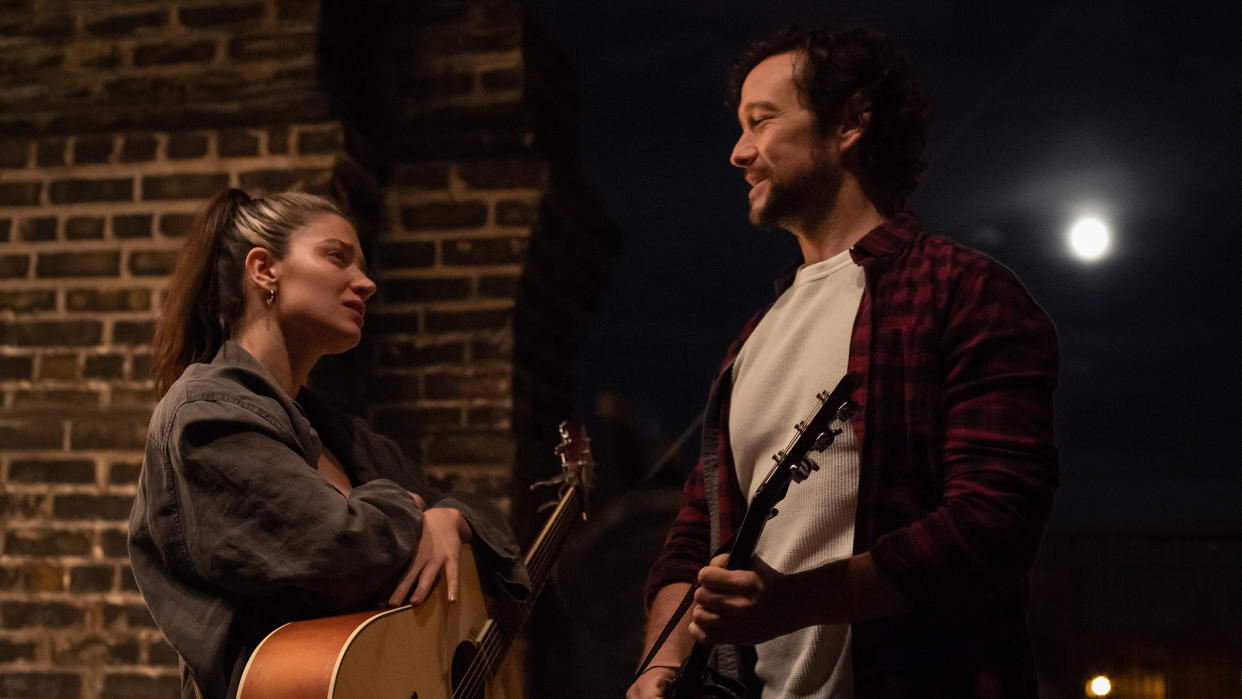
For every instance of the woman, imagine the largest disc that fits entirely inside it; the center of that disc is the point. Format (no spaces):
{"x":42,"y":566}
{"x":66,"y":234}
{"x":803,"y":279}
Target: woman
{"x":258,"y":504}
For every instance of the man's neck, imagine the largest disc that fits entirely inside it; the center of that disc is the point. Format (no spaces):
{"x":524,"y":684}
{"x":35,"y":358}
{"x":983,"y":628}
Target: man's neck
{"x":841,"y":225}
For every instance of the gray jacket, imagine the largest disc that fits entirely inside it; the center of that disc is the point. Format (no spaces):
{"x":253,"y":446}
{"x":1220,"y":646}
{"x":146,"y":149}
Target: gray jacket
{"x":234,"y":532}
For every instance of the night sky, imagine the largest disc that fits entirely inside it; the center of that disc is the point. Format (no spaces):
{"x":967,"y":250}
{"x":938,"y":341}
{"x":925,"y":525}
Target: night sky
{"x":1044,"y":112}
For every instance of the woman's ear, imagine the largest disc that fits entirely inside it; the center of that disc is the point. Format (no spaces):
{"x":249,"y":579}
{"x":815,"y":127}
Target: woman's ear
{"x":260,"y":268}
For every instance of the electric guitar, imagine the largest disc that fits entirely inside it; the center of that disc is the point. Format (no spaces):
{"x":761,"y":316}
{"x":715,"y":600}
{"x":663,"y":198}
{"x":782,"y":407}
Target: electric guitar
{"x":435,"y":650}
{"x":695,"y":678}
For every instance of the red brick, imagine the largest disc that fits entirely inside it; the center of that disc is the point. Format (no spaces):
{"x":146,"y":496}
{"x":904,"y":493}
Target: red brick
{"x":471,"y":214}
{"x":114,"y":542}
{"x":190,"y":186}
{"x":104,"y":366}
{"x":125,"y":332}
{"x":499,"y":286}
{"x":52,"y":471}
{"x":152,"y":263}
{"x":174,"y":52}
{"x":51,"y":333}
{"x":77,"y":506}
{"x":269,"y":46}
{"x":108,"y":300}
{"x":484,"y":251}
{"x":418,"y":420}
{"x":14,"y":266}
{"x":425,"y":289}
{"x":55,"y":399}
{"x":52,"y":615}
{"x":41,"y":684}
{"x":5,"y":226}
{"x":451,"y":321}
{"x":406,"y":255}
{"x":183,"y":146}
{"x":58,"y":366}
{"x":394,"y":353}
{"x":14,"y":153}
{"x":30,"y":433}
{"x":43,"y":578}
{"x":19,"y":650}
{"x":319,"y":140}
{"x":93,"y":578}
{"x":124,"y":473}
{"x":92,"y":149}
{"x":136,"y":686}
{"x":117,"y":25}
{"x":271,"y":181}
{"x":76,"y":191}
{"x":37,"y":229}
{"x":298,"y":10}
{"x":475,"y":446}
{"x":101,"y":263}
{"x":138,"y":149}
{"x":175,"y":225}
{"x":16,"y":367}
{"x":502,"y":174}
{"x":131,"y":226}
{"x":396,"y":387}
{"x":278,"y":139}
{"x":431,"y":175}
{"x":110,"y":432}
{"x":238,"y":143}
{"x":20,"y":193}
{"x":46,"y":542}
{"x":161,"y":653}
{"x":516,"y":213}
{"x":50,"y":152}
{"x":476,"y":384}
{"x":394,"y":323}
{"x":134,"y":616}
{"x":28,"y":301}
{"x":84,"y":228}
{"x":221,"y":15}
{"x":23,"y":506}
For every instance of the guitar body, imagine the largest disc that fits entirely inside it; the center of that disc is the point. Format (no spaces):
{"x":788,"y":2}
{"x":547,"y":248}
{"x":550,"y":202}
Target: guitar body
{"x":405,"y":652}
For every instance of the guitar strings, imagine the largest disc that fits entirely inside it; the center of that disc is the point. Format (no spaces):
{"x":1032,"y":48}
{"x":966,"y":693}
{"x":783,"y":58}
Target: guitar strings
{"x":495,"y":640}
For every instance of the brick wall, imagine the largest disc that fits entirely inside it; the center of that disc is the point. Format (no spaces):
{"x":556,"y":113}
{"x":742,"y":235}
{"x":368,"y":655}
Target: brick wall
{"x":117,"y":121}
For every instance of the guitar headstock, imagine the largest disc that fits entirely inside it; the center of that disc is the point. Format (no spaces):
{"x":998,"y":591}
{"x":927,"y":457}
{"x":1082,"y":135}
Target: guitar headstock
{"x":577,"y":466}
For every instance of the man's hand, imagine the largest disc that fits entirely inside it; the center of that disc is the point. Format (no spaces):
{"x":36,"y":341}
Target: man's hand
{"x":438,"y":548}
{"x":652,"y":684}
{"x":743,"y":606}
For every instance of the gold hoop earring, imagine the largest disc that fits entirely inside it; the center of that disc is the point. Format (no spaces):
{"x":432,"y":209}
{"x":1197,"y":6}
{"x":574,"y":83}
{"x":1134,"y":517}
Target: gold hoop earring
{"x":271,"y":297}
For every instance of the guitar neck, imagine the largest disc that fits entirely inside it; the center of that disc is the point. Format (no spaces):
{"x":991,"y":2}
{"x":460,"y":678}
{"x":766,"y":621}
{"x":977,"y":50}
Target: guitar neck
{"x":497,"y":637}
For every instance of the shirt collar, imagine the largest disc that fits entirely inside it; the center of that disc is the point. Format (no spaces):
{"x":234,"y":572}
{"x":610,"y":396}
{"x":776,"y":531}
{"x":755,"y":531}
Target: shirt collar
{"x":881,"y":244}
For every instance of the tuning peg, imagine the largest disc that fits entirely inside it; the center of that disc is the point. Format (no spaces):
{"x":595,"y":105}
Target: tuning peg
{"x":825,"y":440}
{"x":554,"y":482}
{"x":847,"y":410}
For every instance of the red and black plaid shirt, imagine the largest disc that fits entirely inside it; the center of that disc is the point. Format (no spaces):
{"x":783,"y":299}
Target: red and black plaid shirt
{"x":957,"y":465}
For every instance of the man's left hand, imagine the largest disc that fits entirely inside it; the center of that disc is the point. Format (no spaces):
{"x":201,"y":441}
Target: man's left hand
{"x":743,"y":606}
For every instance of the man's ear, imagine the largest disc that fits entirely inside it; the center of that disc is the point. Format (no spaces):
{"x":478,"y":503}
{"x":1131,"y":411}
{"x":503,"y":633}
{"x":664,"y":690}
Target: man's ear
{"x":855,"y":116}
{"x":260,"y":268}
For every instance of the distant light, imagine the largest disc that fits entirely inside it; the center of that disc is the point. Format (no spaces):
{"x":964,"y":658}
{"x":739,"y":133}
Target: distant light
{"x":1089,"y":239}
{"x":1099,"y":687}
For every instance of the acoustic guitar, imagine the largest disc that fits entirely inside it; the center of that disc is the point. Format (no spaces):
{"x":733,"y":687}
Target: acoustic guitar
{"x":435,"y":650}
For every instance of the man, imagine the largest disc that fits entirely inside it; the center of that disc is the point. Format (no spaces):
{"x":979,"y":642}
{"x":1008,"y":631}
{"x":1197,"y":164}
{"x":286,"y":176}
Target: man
{"x":898,"y":569}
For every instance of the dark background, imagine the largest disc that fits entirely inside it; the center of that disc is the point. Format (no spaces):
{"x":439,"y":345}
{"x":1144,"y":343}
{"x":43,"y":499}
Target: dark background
{"x":1043,"y":112}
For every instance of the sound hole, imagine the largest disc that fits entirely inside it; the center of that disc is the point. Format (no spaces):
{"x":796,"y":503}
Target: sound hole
{"x":462,"y":657}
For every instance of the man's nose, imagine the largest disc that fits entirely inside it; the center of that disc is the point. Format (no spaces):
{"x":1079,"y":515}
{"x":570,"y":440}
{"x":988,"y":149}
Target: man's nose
{"x":743,"y":152}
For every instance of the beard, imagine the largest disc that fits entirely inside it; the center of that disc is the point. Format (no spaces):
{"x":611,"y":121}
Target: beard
{"x":803,"y":198}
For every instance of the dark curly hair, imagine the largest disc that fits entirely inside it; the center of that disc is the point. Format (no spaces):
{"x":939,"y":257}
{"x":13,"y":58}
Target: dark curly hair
{"x":833,"y":66}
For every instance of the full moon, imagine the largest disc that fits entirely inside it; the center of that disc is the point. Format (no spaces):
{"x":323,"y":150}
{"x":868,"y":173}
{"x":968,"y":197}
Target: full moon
{"x":1089,"y":239}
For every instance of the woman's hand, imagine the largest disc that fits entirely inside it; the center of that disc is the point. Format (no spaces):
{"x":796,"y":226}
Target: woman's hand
{"x":444,"y":529}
